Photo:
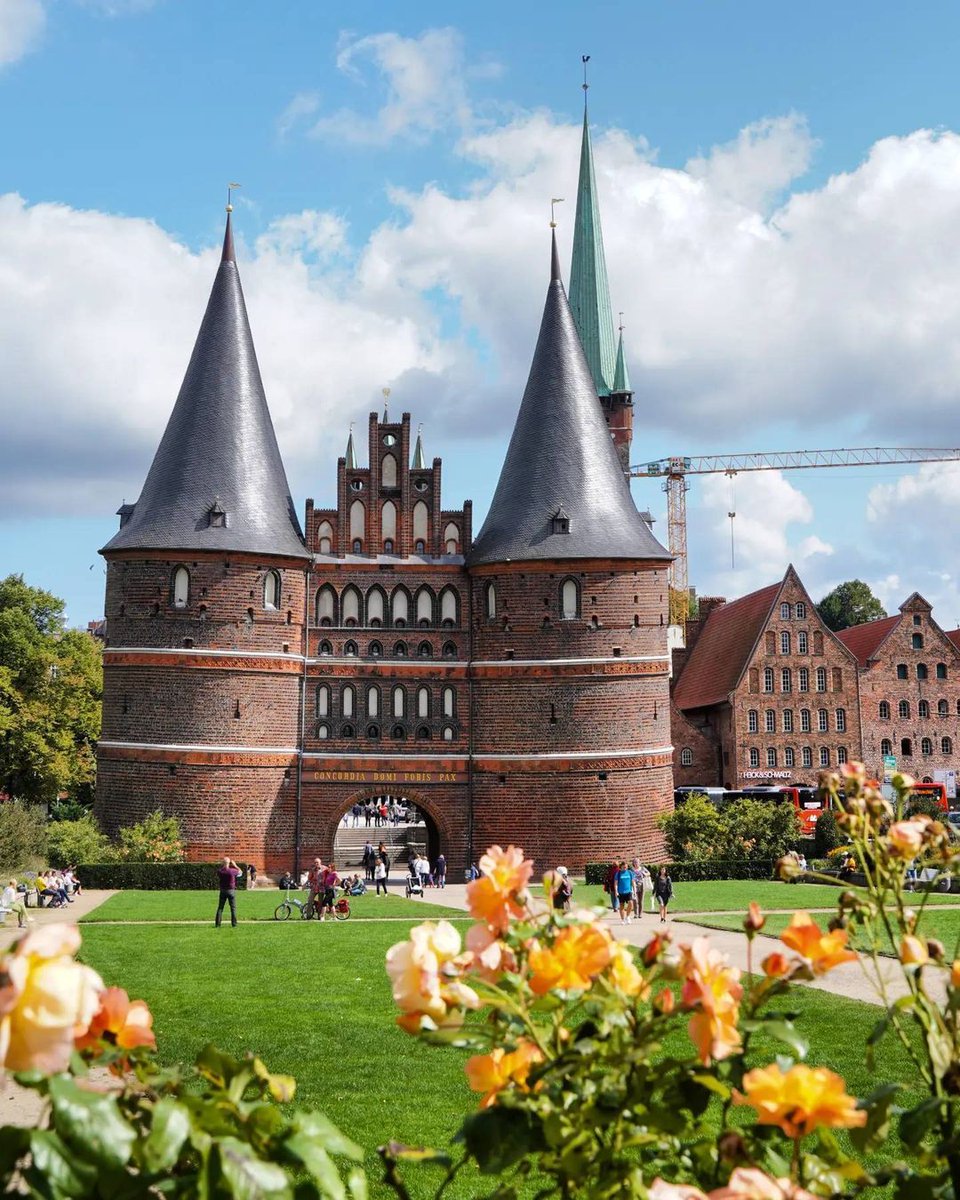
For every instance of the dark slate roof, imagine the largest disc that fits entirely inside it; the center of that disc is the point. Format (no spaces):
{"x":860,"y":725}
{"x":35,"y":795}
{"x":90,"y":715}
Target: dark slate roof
{"x":561,"y":455}
{"x":219,"y":445}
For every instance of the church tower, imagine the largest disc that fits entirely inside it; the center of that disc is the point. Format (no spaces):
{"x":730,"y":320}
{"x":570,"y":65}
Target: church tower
{"x":590,"y":304}
{"x":570,"y":710}
{"x":205,"y":608}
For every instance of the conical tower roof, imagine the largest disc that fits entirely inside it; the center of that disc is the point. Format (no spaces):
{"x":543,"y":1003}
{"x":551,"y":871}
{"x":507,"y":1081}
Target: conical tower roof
{"x":589,"y":289}
{"x":621,"y":376}
{"x":419,"y":462}
{"x":351,"y":455}
{"x":561,"y":466}
{"x":219,"y":448}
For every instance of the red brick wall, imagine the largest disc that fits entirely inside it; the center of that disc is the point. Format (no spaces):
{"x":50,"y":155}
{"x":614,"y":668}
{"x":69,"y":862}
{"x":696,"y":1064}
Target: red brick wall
{"x":703,"y":743}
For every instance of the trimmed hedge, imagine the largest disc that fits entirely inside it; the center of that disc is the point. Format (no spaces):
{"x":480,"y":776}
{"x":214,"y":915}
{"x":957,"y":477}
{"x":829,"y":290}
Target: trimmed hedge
{"x":693,"y":871}
{"x":166,"y":877}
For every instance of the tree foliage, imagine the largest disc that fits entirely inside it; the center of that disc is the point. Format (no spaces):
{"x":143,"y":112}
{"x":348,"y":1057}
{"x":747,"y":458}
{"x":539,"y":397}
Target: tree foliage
{"x":157,"y":838}
{"x":746,"y":829}
{"x":850,"y":603}
{"x":51,"y":682}
{"x":80,"y":841}
{"x":23,"y":835}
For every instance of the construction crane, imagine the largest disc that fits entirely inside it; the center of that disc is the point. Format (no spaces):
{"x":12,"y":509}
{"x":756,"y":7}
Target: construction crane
{"x":674,"y":471}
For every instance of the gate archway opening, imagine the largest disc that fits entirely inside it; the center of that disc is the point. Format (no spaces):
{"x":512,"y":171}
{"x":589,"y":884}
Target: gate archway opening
{"x":398,"y":819}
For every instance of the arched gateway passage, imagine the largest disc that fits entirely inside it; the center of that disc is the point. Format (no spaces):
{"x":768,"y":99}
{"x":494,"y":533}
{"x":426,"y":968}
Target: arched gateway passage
{"x":398,"y":819}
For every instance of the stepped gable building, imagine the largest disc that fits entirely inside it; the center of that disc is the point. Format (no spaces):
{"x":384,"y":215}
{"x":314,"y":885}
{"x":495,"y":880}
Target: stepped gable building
{"x":768,"y":684}
{"x":257,"y":684}
{"x":909,"y":690}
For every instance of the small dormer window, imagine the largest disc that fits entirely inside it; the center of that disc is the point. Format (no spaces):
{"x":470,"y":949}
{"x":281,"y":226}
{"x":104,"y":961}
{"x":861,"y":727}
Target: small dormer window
{"x":217,"y":515}
{"x":560,"y":522}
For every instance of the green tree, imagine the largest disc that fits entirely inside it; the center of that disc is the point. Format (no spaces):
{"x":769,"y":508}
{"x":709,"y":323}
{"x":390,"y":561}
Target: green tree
{"x":760,"y":829}
{"x":695,"y":830}
{"x":80,"y":841}
{"x":826,"y":834}
{"x":51,"y":682}
{"x":850,"y":603}
{"x":157,"y":838}
{"x":23,"y":835}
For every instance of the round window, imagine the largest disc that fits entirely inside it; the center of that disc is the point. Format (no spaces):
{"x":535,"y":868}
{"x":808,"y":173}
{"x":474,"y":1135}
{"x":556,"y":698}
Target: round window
{"x":357,"y":485}
{"x":389,"y":439}
{"x":421,"y":485}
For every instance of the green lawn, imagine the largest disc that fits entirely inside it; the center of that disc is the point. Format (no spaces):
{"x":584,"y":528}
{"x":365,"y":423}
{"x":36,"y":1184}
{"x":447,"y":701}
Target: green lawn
{"x":316,"y":1003}
{"x":256,"y":905}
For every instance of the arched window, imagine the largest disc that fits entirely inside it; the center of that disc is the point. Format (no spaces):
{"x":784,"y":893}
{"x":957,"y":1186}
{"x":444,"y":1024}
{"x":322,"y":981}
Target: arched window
{"x":824,"y":757}
{"x":803,"y":646}
{"x":420,"y":514}
{"x":788,"y":720}
{"x":348,"y":701}
{"x":801,"y":611}
{"x":357,"y":546}
{"x":424,"y":607}
{"x":373,"y":732}
{"x":423,"y":702}
{"x":784,"y":612}
{"x":686,"y":757}
{"x":941,"y":670}
{"x":926,"y":746}
{"x":922,"y":672}
{"x":841,"y":718}
{"x":946,"y":746}
{"x":419,"y":546}
{"x":181,"y":587}
{"x":398,"y":733}
{"x":388,"y":545}
{"x":786,"y":680}
{"x":271,"y":590}
{"x":350,"y":649}
{"x":376,"y":650}
{"x":373,"y":702}
{"x":569,"y":600}
{"x":358,"y":522}
{"x":448,"y":733}
{"x":804,"y":720}
{"x":423,"y":733}
{"x":803,"y":679}
{"x":886,"y":746}
{"x":388,"y":521}
{"x":399,"y":649}
{"x":323,"y":731}
{"x":784,"y":642}
{"x":770,"y":721}
{"x":326,"y":606}
{"x":491,"y":601}
{"x":399,"y":702}
{"x":448,"y":608}
{"x":768,"y":679}
{"x":400,"y":608}
{"x":347,"y":731}
{"x":323,"y":700}
{"x":325,"y":537}
{"x":753,"y":721}
{"x":325,"y":649}
{"x":754,"y":757}
{"x":884,"y":710}
{"x":789,"y":757}
{"x":806,"y":755}
{"x":376,"y":607}
{"x":923,"y":708}
{"x":388,"y":471}
{"x":425,"y":650}
{"x":901,"y":670}
{"x":771,"y":757}
{"x":841,"y":755}
{"x":821,"y":679}
{"x":906,"y":748}
{"x":449,"y":650}
{"x":451,"y":538}
{"x":350,"y":606}
{"x":449,"y":702}
{"x":943,"y":708}
{"x":903,"y":708}
{"x":823,"y":720}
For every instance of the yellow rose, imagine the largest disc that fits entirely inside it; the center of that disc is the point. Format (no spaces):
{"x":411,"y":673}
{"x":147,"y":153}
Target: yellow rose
{"x":47,"y":1000}
{"x":913,"y":952}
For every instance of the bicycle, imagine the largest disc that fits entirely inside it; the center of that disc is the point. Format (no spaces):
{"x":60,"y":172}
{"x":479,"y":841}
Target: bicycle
{"x":284,"y":911}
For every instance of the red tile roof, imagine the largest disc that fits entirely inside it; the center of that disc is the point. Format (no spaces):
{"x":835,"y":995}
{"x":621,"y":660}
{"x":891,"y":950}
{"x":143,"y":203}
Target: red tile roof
{"x":954,"y":636}
{"x":863,"y":640}
{"x":721,"y":652}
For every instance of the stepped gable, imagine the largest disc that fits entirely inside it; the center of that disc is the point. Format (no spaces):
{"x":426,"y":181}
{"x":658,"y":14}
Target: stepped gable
{"x":217,"y":481}
{"x":864,"y":640}
{"x":561,"y":463}
{"x":723,"y":648}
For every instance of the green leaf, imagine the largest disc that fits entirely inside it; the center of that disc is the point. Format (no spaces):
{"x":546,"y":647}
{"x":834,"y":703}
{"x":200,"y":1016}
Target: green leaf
{"x":877,"y":1107}
{"x":54,"y":1171}
{"x":13,"y":1145}
{"x":217,"y":1067}
{"x":785,"y":1031}
{"x":357,"y":1183}
{"x":499,"y":1137}
{"x":249,"y":1177}
{"x":318,"y":1162}
{"x":316,"y":1125}
{"x":712,"y":1084}
{"x":91,"y":1122}
{"x":281,"y":1087}
{"x":917,"y":1122}
{"x":169,"y":1130}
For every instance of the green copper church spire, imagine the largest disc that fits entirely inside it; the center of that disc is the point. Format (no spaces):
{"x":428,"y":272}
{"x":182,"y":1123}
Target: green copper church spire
{"x":621,"y":376}
{"x":419,"y":462}
{"x":589,"y":290}
{"x":351,"y":455}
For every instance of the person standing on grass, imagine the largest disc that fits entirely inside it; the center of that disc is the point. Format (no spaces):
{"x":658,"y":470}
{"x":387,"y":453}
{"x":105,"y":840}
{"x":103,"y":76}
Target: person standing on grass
{"x":380,"y":876}
{"x":663,"y":890}
{"x":329,"y":883}
{"x":625,"y":884}
{"x":228,"y":874}
{"x":440,"y":875}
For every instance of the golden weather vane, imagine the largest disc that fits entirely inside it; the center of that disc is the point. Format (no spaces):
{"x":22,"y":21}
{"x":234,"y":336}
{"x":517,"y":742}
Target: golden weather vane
{"x":553,"y":216}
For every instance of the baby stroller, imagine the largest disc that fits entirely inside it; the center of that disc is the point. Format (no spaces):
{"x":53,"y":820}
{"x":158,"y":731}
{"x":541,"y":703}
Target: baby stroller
{"x":414,"y":886}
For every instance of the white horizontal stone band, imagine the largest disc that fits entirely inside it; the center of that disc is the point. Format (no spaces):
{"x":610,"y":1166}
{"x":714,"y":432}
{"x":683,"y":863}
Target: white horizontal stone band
{"x":201,"y":747}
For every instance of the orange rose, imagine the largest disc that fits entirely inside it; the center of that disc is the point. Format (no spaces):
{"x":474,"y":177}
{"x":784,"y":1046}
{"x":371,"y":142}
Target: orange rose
{"x":776,"y":965}
{"x":496,"y":898}
{"x":800,"y":1099}
{"x":823,"y":951}
{"x":754,"y":921}
{"x":913,"y":952}
{"x":425,"y":979}
{"x":665,"y":1002}
{"x":955,"y":974}
{"x":491,"y":1073}
{"x":713,"y":988}
{"x":905,"y":838}
{"x":578,"y":954}
{"x":490,"y":957}
{"x":120,"y":1022}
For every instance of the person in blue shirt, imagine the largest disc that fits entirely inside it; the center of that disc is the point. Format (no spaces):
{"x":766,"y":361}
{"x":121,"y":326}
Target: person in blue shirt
{"x":624,"y":881}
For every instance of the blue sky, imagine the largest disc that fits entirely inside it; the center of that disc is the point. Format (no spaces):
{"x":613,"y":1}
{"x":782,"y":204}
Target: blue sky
{"x":780,"y":192}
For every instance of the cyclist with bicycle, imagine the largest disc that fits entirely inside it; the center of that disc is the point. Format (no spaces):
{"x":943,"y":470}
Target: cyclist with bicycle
{"x":329,"y":881}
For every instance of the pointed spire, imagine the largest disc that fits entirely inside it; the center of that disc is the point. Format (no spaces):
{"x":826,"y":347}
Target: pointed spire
{"x":351,"y":454}
{"x":228,"y":255}
{"x":555,"y":276}
{"x":589,"y":290}
{"x":621,"y":377}
{"x":562,"y":493}
{"x":217,"y":480}
{"x":419,"y":462}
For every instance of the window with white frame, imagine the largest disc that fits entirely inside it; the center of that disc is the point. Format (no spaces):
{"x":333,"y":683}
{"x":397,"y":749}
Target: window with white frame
{"x":784,"y":642}
{"x":271,"y":590}
{"x":821,"y":679}
{"x":686,"y":757}
{"x":770,"y":721}
{"x":754,"y":757}
{"x":926,"y":746}
{"x":824,"y":756}
{"x":789,"y":757}
{"x":886,"y":746}
{"x":823,"y":720}
{"x":923,"y":708}
{"x":883,"y":710}
{"x":946,"y":746}
{"x":841,"y":718}
{"x":803,"y":679}
{"x":768,"y":679}
{"x":788,"y":720}
{"x":784,"y":612}
{"x":841,"y":755}
{"x":804,"y":720}
{"x":807,"y":756}
{"x":801,"y":611}
{"x":803,"y":644}
{"x":753,"y":725}
{"x":771,"y":757}
{"x":903,"y":709}
{"x":786,"y":680}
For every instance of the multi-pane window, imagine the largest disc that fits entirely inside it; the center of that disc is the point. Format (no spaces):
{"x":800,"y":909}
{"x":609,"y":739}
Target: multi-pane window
{"x":804,"y":720}
{"x":841,"y":755}
{"x":770,"y":721}
{"x":841,"y":716}
{"x":884,"y":710}
{"x":803,"y":679}
{"x":768,"y":679}
{"x":784,"y":612}
{"x":823,"y":720}
{"x":824,"y":757}
{"x":771,"y":757}
{"x":926,"y":746}
{"x":886,"y":746}
{"x":686,"y":757}
{"x":807,"y":756}
{"x":821,"y":679}
{"x":801,"y":611}
{"x":754,"y":757}
{"x":788,"y":720}
{"x":923,"y":708}
{"x":903,"y":708}
{"x":784,"y":642}
{"x":789,"y":757}
{"x":752,"y":721}
{"x":786,"y":680}
{"x":802,"y":642}
{"x":946,"y":746}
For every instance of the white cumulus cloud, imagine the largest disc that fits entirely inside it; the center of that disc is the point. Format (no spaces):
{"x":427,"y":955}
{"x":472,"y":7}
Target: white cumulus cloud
{"x":21,"y":26}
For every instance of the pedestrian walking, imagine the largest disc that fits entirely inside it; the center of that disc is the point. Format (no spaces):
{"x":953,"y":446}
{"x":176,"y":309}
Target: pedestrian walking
{"x":610,"y":886}
{"x":642,"y":885}
{"x":440,"y":875}
{"x":663,"y":890}
{"x":228,"y":874}
{"x":625,"y":884}
{"x":562,"y":890}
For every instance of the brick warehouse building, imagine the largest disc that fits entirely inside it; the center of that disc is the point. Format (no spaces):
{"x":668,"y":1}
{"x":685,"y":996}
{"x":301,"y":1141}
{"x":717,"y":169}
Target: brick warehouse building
{"x":258,"y":681}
